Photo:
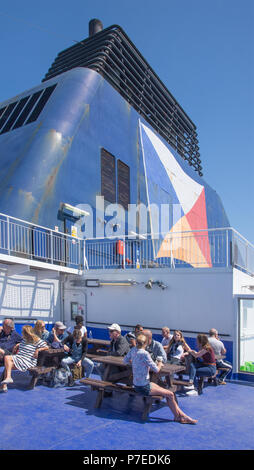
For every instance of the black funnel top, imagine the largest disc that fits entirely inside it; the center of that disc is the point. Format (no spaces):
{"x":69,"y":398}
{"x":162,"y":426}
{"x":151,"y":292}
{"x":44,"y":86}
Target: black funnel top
{"x":111,"y":53}
{"x":95,"y":26}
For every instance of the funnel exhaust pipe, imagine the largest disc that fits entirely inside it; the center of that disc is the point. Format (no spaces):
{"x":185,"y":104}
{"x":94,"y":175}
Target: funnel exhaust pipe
{"x":95,"y":26}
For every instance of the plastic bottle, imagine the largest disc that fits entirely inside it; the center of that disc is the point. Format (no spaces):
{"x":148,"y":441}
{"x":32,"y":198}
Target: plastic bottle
{"x":90,"y":334}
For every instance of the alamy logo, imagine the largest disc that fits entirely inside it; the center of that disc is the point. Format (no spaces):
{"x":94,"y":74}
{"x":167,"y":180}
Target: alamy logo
{"x":112,"y":221}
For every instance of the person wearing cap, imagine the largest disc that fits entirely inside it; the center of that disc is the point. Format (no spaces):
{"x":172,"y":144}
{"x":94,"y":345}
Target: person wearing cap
{"x":119,"y":346}
{"x":57,"y":335}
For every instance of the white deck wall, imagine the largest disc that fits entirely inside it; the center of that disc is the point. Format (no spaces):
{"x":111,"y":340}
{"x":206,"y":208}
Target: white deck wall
{"x":29,"y":296}
{"x":195,"y":300}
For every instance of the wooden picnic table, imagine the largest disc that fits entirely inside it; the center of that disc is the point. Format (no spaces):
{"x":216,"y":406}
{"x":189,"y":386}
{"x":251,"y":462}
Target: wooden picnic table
{"x":98,"y":345}
{"x":51,"y":357}
{"x":117,"y":373}
{"x":125,"y":373}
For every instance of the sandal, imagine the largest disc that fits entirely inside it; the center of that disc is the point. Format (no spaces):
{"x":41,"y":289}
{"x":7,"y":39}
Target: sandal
{"x":185,"y":420}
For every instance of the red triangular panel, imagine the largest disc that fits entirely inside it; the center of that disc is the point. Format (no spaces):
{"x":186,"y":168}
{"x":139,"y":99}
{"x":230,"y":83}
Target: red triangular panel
{"x":198,"y":221}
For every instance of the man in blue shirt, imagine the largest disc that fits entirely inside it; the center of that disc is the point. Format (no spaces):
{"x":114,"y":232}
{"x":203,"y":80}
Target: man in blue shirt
{"x":9,"y":339}
{"x":57,"y":335}
{"x":155,"y":348}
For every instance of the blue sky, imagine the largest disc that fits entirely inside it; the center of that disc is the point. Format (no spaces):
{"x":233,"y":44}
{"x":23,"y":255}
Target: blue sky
{"x":202,"y":50}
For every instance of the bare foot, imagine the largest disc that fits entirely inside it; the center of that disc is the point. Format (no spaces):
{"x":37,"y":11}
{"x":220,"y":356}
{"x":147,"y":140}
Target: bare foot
{"x":184,"y":419}
{"x":7,"y":381}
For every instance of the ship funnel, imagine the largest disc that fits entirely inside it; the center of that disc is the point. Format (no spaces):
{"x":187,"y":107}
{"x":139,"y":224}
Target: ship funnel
{"x":95,"y":26}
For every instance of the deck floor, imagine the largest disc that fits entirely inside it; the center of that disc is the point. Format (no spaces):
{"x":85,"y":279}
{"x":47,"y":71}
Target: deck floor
{"x":65,"y":419}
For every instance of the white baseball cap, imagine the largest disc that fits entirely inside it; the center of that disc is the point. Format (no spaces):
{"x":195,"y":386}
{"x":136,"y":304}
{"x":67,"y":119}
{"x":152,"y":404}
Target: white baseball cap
{"x":115,"y":326}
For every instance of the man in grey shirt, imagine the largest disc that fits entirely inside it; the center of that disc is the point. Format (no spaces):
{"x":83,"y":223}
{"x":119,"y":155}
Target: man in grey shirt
{"x":219,"y":350}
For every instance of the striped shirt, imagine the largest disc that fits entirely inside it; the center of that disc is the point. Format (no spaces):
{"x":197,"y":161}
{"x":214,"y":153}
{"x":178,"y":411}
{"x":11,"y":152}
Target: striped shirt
{"x":25,"y":357}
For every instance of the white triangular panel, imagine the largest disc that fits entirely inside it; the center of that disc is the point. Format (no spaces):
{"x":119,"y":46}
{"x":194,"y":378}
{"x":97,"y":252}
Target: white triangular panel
{"x":187,"y":190}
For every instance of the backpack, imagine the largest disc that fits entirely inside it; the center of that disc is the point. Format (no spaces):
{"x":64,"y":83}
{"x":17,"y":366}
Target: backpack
{"x":76,"y":372}
{"x":60,"y":378}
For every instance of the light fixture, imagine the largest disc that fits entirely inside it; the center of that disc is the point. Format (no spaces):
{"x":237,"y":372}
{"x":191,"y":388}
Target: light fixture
{"x":76,"y":211}
{"x":151,"y":283}
{"x":127,"y":283}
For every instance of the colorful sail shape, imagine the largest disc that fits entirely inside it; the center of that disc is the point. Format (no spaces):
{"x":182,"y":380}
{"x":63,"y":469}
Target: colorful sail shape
{"x":191,"y":197}
{"x":160,"y":191}
{"x":187,"y":189}
{"x":181,"y":244}
{"x":197,"y":220}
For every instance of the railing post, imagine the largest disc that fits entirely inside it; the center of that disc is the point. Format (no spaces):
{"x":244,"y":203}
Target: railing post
{"x":51,"y":247}
{"x":227,"y":257}
{"x":8,"y":235}
{"x":84,"y":255}
{"x":246,"y":261}
{"x":233,"y":248}
{"x":123,"y":264}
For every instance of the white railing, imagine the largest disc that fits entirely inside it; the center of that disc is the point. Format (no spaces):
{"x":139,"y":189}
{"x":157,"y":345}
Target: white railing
{"x":23,"y":239}
{"x":221,"y":247}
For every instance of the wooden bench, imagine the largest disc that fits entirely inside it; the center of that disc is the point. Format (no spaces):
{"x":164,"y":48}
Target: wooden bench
{"x":181,"y":383}
{"x":103,"y":386}
{"x":37,"y":372}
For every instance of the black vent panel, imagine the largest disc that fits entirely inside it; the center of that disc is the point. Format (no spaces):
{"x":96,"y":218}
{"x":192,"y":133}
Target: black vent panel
{"x":111,"y":53}
{"x":25,"y":110}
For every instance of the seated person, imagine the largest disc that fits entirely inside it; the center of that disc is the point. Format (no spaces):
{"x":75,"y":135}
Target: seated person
{"x":76,"y":346}
{"x":219,"y":350}
{"x":138,"y":329}
{"x":166,"y":337}
{"x":26,"y":357}
{"x":40,"y":330}
{"x":206,"y":368}
{"x":177,"y":348}
{"x":142,"y":362}
{"x":119,"y":346}
{"x":57,"y":335}
{"x":79,"y":321}
{"x":155,"y":348}
{"x":131,"y":338}
{"x":9,"y":339}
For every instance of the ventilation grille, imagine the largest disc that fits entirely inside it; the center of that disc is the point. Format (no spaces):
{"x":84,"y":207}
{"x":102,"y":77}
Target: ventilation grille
{"x":24,"y":111}
{"x":111,"y":53}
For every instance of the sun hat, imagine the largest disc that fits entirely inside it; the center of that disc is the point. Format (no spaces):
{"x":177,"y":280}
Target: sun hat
{"x":60,"y":325}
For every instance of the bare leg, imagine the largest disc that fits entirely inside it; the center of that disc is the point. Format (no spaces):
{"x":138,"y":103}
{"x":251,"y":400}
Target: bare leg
{"x":179,"y":415}
{"x":9,"y":366}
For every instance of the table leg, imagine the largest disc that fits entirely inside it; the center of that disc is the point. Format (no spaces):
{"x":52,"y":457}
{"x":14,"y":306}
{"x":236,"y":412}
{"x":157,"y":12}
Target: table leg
{"x":99,"y":398}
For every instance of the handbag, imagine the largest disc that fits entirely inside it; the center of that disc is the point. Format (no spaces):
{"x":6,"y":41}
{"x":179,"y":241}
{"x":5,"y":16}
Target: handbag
{"x":76,"y":372}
